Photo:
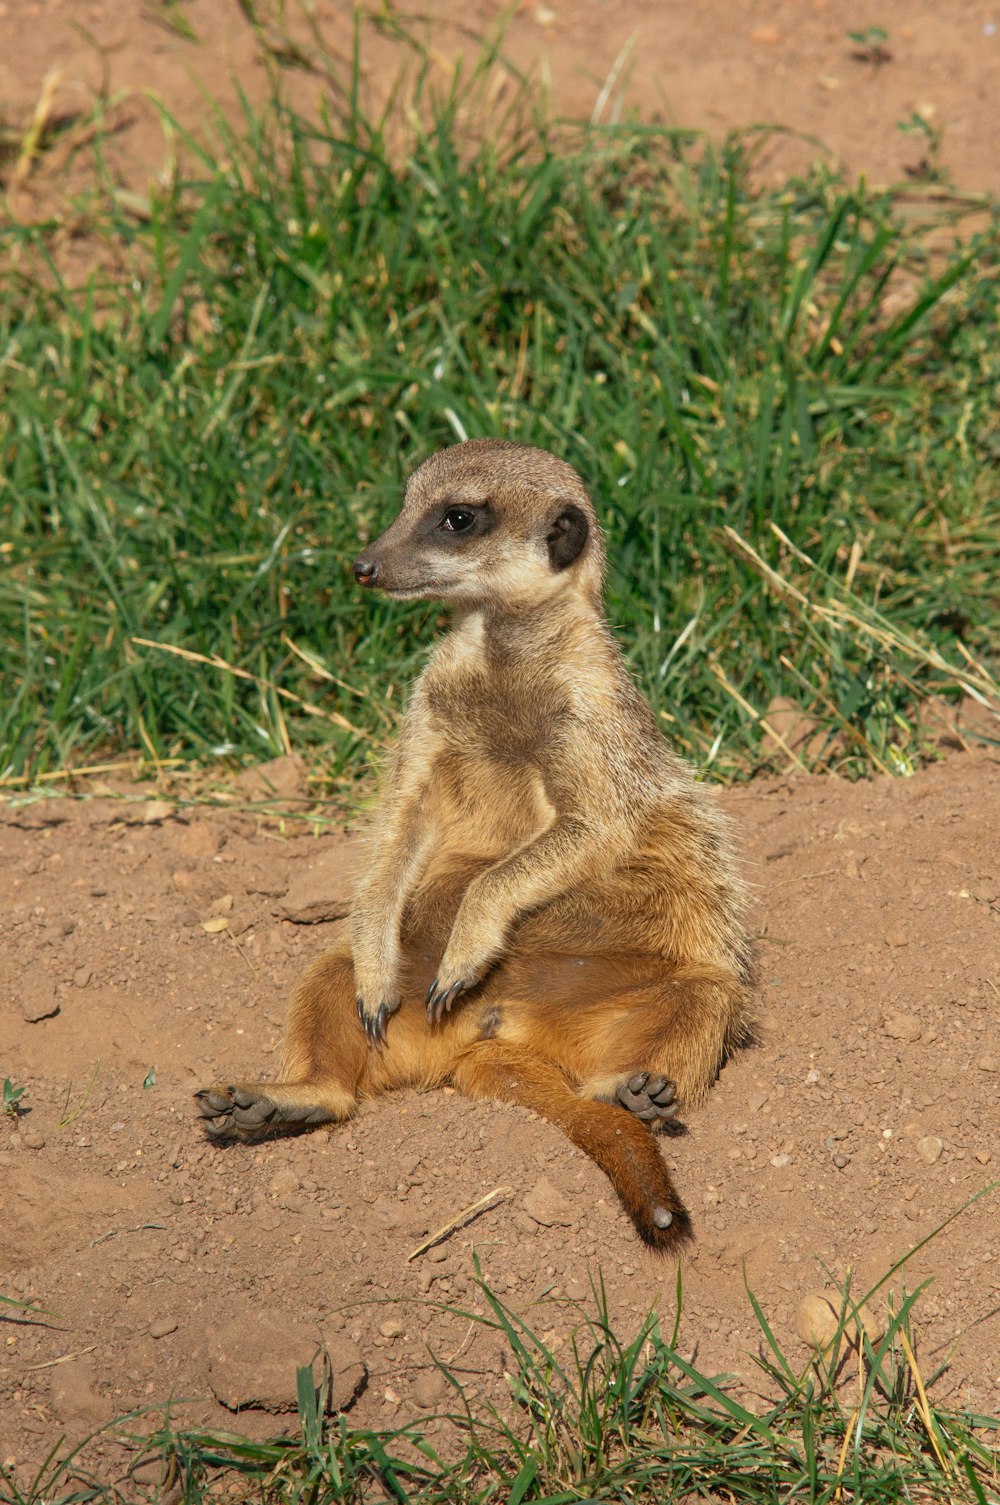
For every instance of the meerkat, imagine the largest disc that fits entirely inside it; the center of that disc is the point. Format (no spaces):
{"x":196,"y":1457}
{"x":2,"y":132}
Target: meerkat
{"x":551,"y":913}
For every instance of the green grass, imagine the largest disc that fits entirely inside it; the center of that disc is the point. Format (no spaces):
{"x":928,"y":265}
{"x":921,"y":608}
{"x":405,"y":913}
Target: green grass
{"x":193,"y":443}
{"x":601,"y":1419}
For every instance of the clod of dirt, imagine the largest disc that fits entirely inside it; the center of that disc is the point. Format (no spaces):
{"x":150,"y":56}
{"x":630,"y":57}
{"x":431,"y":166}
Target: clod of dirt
{"x":252,"y":1363}
{"x":75,"y":1401}
{"x":902,"y":1027}
{"x":929,"y":1148}
{"x":39,"y":1000}
{"x":319,"y":890}
{"x":790,"y":729}
{"x":280,"y":779}
{"x":546,"y":1205}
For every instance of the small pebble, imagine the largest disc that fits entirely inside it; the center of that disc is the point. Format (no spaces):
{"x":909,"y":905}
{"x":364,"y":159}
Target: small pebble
{"x":162,"y":1328}
{"x":780,"y":1161}
{"x":392,"y":1329}
{"x":841,"y":1160}
{"x":82,"y":976}
{"x":929,"y":1148}
{"x":36,"y":1141}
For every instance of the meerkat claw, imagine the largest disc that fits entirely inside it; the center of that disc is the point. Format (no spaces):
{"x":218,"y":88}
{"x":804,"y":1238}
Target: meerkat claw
{"x":439,"y":1003}
{"x":375,"y":1025}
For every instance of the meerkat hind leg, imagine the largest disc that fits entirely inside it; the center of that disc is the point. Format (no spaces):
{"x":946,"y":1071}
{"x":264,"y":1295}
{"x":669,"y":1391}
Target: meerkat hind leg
{"x":675,"y":1033}
{"x":322,"y":1063}
{"x":616,"y":1141}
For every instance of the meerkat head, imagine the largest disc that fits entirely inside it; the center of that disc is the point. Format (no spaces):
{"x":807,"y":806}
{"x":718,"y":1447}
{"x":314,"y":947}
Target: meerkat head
{"x":489,"y":524}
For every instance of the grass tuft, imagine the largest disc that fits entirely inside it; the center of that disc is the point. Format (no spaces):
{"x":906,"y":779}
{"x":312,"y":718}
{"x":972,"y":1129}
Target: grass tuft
{"x":193,"y":443}
{"x":594,"y":1417}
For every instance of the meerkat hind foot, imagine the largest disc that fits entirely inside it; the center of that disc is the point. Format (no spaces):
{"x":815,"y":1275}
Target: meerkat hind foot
{"x":651,"y":1098}
{"x":232,"y":1112}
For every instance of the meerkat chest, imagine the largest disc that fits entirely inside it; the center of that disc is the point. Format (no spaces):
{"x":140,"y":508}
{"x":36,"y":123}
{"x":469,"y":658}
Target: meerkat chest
{"x":492,"y":708}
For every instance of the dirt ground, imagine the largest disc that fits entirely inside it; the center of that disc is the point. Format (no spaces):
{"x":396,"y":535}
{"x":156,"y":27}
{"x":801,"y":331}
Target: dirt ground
{"x":710,"y":65}
{"x":148,"y":939}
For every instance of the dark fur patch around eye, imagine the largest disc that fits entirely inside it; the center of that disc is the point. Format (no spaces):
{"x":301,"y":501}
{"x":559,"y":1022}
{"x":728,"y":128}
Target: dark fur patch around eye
{"x":432,"y":532}
{"x":567,"y":537}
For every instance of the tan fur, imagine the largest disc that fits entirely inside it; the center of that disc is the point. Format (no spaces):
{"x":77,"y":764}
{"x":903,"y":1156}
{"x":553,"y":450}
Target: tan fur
{"x":541,"y":860}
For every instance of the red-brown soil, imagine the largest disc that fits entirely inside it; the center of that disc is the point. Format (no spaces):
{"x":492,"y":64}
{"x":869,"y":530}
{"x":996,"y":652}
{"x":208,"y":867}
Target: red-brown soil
{"x":711,"y":65}
{"x":177,"y":1266}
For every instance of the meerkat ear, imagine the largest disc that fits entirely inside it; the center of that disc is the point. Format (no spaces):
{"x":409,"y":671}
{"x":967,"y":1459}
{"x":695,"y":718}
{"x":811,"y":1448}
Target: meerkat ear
{"x":567,"y":536}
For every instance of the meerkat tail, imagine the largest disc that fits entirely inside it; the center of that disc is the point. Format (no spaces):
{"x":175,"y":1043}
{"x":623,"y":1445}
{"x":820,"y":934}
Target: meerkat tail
{"x":620,"y":1144}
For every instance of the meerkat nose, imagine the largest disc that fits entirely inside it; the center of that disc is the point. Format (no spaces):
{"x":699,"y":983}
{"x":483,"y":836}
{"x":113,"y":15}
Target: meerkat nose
{"x":365,"y":573}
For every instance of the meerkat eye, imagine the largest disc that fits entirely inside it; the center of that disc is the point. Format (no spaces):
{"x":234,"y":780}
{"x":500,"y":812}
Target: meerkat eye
{"x":458,"y":519}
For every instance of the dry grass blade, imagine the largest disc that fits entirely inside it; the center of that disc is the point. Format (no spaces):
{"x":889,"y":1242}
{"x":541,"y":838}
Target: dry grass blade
{"x":215,"y":662}
{"x":492,"y":1199}
{"x":860,"y":618}
{"x":762,"y":721}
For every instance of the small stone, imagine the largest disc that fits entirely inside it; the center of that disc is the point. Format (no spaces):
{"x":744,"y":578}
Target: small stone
{"x":437,"y":1255}
{"x":780,"y":1161}
{"x":895,"y":938}
{"x":162,"y":1328}
{"x":215,"y":925}
{"x":756,"y":1101}
{"x":983,"y":1156}
{"x":929,"y":1148}
{"x":36,"y":1141}
{"x":430,"y":1388}
{"x":575,"y":1290}
{"x":902,"y":1027}
{"x":223,"y":905}
{"x":818,"y":1319}
{"x":841,"y":1160}
{"x":82,"y":976}
{"x":392,"y":1329}
{"x":988,"y":1063}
